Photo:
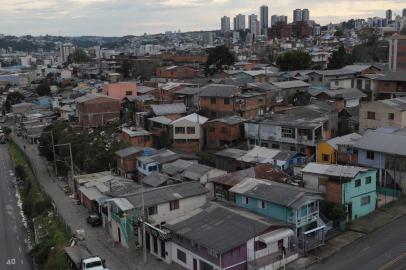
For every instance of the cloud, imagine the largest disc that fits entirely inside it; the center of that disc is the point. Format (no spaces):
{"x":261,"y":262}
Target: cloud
{"x":121,"y":17}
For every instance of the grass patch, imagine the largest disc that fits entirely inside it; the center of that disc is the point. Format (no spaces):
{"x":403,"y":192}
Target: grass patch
{"x":52,"y":234}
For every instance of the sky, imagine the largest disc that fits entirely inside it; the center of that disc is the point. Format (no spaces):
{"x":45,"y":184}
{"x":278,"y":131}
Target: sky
{"x":135,"y":17}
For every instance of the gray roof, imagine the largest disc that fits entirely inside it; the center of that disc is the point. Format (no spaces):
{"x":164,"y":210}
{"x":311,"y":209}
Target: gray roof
{"x":142,"y":89}
{"x":195,"y":171}
{"x":345,"y":93}
{"x":188,"y":91}
{"x":161,"y":156}
{"x":231,"y":153}
{"x":128,"y":151}
{"x":167,"y":194}
{"x":220,"y":226}
{"x":90,"y":97}
{"x":275,"y":192}
{"x":333,"y":170}
{"x":291,"y":84}
{"x":399,"y":103}
{"x":164,"y":109}
{"x":230,"y":120}
{"x":388,"y":141}
{"x":349,"y":139}
{"x":262,"y":86}
{"x":140,"y":98}
{"x":393,"y":76}
{"x":161,"y":120}
{"x":218,"y":90}
{"x":155,"y":179}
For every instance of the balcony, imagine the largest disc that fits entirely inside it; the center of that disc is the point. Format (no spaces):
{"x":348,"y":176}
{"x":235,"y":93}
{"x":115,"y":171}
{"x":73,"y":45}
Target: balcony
{"x":276,"y":259}
{"x":304,"y":220}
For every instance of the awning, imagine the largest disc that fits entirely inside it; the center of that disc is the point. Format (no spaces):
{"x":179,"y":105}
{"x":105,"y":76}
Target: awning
{"x":276,"y":235}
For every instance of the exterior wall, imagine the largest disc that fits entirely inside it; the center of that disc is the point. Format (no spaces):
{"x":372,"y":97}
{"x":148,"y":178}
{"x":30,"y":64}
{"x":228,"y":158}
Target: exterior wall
{"x":353,"y":195}
{"x":127,"y":164}
{"x":190,"y":255}
{"x":333,"y":192}
{"x":377,"y":162}
{"x":119,"y":90}
{"x":314,"y":182}
{"x":147,"y":170}
{"x":337,"y":84}
{"x":324,"y":148}
{"x":218,"y":109}
{"x":189,"y":142}
{"x":97,"y":112}
{"x":218,"y":134}
{"x":176,"y":73}
{"x":138,"y":141}
{"x":189,"y":146}
{"x":381,"y":117}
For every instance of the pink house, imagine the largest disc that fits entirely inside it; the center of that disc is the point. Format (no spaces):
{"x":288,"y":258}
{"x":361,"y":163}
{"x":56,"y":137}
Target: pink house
{"x":121,"y":90}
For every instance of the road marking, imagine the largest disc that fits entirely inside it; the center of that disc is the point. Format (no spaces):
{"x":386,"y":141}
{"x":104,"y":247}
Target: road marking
{"x":392,"y":262}
{"x":22,"y":261}
{"x":365,"y":249}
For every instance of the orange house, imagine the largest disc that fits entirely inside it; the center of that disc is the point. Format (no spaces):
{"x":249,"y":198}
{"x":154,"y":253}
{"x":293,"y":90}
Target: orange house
{"x":120,"y":90}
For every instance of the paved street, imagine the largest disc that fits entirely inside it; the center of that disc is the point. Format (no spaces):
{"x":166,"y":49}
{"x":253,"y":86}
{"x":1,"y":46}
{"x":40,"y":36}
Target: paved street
{"x":97,"y":239}
{"x":384,"y":249}
{"x":13,"y":247}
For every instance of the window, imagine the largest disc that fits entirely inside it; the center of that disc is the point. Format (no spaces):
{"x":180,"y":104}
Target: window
{"x":336,"y":83}
{"x":365,"y":200}
{"x":370,"y":155}
{"x":325,"y":157}
{"x":153,"y":168}
{"x":173,"y":205}
{"x":371,"y":115}
{"x":391,"y":116}
{"x":368,"y":180}
{"x":181,"y":255}
{"x":179,"y":130}
{"x":358,"y":183}
{"x":153,"y":210}
{"x":213,"y":100}
{"x":261,"y":204}
{"x":245,"y":200}
{"x":128,"y":93}
{"x":275,"y":146}
{"x":288,"y":132}
{"x":191,"y":130}
{"x":226,"y":101}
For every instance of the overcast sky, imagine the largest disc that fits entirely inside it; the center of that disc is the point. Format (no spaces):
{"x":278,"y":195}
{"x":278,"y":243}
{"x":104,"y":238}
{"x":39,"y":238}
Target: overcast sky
{"x":134,"y":17}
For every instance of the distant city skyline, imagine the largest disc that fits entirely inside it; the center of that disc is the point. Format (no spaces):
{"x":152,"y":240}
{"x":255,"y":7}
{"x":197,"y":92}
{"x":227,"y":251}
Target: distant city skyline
{"x":135,"y":17}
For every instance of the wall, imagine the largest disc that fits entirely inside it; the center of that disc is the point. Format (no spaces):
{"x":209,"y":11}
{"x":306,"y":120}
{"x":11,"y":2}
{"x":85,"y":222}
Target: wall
{"x":98,"y":111}
{"x":377,"y":162}
{"x":216,"y":137}
{"x":118,"y":90}
{"x":185,"y":123}
{"x":324,"y":148}
{"x":381,"y":116}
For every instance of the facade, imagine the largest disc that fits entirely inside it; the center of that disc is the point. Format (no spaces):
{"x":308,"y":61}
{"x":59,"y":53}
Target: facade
{"x":391,"y":85}
{"x":194,"y":250}
{"x":383,"y":113}
{"x":120,"y":90}
{"x":397,"y":53}
{"x":126,"y":161}
{"x":352,"y":187}
{"x":264,"y":19}
{"x":329,"y":152}
{"x":297,"y":15}
{"x":225,"y":24}
{"x":137,"y":137}
{"x":65,"y":50}
{"x":253,"y":24}
{"x":187,"y":133}
{"x":176,"y":72}
{"x":239,"y":22}
{"x":153,"y":160}
{"x":95,"y":110}
{"x":222,"y":132}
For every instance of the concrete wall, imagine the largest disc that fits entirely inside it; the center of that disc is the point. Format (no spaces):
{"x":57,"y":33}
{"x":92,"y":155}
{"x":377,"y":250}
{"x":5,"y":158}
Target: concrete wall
{"x":381,"y":116}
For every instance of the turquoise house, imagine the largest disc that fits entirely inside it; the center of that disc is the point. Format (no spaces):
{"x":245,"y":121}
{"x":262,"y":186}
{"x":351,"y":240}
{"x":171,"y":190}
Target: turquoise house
{"x":353,"y":187}
{"x":291,"y":204}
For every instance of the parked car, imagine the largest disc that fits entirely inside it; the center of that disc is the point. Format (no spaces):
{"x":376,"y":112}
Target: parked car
{"x":80,"y":258}
{"x":94,"y":220}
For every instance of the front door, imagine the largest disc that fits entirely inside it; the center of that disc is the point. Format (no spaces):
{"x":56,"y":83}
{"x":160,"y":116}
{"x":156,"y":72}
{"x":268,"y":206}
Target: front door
{"x":194,"y":264}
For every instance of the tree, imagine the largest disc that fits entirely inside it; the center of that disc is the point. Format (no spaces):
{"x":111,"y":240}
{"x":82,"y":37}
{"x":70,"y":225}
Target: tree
{"x":43,"y":89}
{"x":13,"y":98}
{"x":219,"y":57}
{"x":294,"y":60}
{"x":339,"y":33}
{"x":125,"y":68}
{"x":340,"y":58}
{"x":78,"y":56}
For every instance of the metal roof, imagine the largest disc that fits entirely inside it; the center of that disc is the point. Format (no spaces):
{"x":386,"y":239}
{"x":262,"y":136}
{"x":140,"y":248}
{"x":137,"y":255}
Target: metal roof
{"x":333,"y":170}
{"x":164,"y":109}
{"x":231,"y":153}
{"x":219,"y":90}
{"x":345,"y":93}
{"x":161,"y":120}
{"x":349,"y":139}
{"x":384,"y":140}
{"x":194,"y":118}
{"x":291,"y":84}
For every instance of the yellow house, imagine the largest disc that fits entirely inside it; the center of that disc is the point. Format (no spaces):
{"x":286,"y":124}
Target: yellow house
{"x":327,"y":150}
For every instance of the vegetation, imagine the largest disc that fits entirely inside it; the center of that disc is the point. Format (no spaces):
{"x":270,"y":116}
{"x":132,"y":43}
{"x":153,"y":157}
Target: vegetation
{"x":332,"y":211}
{"x":218,"y":58}
{"x":43,"y":89}
{"x":92,"y":150}
{"x":53,"y":236}
{"x":294,"y":60}
{"x":13,"y":98}
{"x":78,"y":56}
{"x":340,"y":58}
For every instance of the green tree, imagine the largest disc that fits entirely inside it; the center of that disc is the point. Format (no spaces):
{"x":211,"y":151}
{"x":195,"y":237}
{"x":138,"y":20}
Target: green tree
{"x":13,"y":98}
{"x":43,"y":89}
{"x":125,"y":69}
{"x":219,"y":57}
{"x":340,"y":58}
{"x":294,"y":60}
{"x":78,"y":56}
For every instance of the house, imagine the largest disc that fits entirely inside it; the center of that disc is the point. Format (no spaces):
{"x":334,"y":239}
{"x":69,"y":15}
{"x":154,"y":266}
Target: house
{"x":95,"y":110}
{"x":137,"y":137}
{"x":384,"y":149}
{"x":344,"y":98}
{"x":224,"y":132}
{"x":187,"y":133}
{"x":220,"y":186}
{"x":167,"y":90}
{"x":126,"y":161}
{"x":176,"y":72}
{"x":172,"y":111}
{"x":248,"y":241}
{"x":328,"y":151}
{"x":123,"y":216}
{"x":383,"y":113}
{"x":217,"y":101}
{"x":391,"y":85}
{"x":296,"y":129}
{"x":226,"y":159}
{"x":352,"y":187}
{"x":289,"y":88}
{"x":120,"y":90}
{"x":153,"y":160}
{"x":188,"y":95}
{"x":141,"y":103}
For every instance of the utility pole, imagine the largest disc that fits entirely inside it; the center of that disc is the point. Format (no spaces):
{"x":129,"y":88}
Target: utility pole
{"x":144,"y":244}
{"x":53,"y":150}
{"x":71,"y":157}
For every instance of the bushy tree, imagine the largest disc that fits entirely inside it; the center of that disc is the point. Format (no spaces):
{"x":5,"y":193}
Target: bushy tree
{"x":294,"y":60}
{"x":43,"y":89}
{"x":219,"y":57}
{"x":78,"y":56}
{"x":13,"y":98}
{"x":340,"y":58}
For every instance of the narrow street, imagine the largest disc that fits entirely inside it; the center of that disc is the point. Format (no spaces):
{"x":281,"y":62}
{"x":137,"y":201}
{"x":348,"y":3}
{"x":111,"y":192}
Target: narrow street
{"x":13,"y":236}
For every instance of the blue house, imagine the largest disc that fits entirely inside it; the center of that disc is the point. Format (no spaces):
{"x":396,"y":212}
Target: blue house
{"x":291,"y":204}
{"x":352,"y":187}
{"x":43,"y":102}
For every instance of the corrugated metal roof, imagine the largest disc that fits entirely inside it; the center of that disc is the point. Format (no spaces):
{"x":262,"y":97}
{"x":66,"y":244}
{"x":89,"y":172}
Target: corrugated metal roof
{"x":165,"y":109}
{"x":384,"y":141}
{"x":333,"y":170}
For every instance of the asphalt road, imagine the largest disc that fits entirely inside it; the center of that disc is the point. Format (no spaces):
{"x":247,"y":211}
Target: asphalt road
{"x":384,"y":249}
{"x":13,"y":237}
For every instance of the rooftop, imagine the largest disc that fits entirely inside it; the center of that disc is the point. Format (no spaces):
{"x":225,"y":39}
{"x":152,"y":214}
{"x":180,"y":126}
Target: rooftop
{"x":333,"y":170}
{"x":384,"y":140}
{"x":194,"y":118}
{"x":165,"y":109}
{"x":349,"y":139}
{"x":219,"y":90}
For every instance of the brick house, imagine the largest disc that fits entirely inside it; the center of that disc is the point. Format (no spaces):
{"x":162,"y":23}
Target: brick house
{"x":187,"y":133}
{"x":94,"y":110}
{"x":176,"y":72}
{"x":172,"y":111}
{"x":224,"y":131}
{"x":397,"y":53}
{"x":120,"y":90}
{"x":137,"y":137}
{"x":391,"y":85}
{"x":126,"y":160}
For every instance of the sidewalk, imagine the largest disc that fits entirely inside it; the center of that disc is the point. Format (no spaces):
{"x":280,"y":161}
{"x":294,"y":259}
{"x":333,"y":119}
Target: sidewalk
{"x":97,"y":239}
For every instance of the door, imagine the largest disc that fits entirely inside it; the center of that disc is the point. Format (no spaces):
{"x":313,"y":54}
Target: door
{"x":350,"y":211}
{"x":147,"y":241}
{"x":163,"y":250}
{"x":194,"y":264}
{"x":119,"y":234}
